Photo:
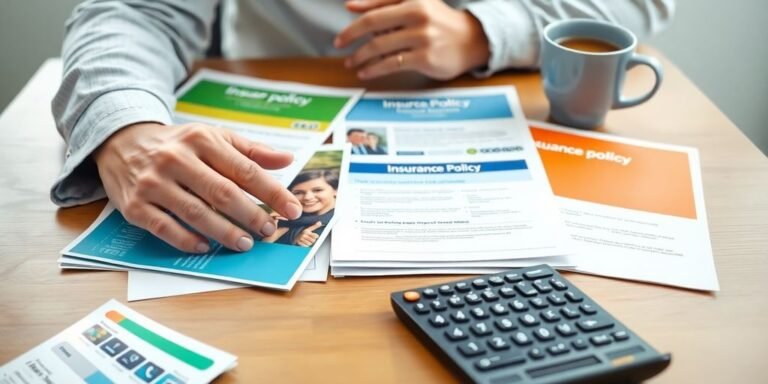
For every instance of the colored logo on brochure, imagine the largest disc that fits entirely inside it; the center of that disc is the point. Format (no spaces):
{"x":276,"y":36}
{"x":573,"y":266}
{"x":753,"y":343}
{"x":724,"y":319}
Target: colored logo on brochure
{"x":130,"y":359}
{"x":114,"y":347}
{"x":472,"y":151}
{"x":96,"y":334}
{"x":149,"y":372}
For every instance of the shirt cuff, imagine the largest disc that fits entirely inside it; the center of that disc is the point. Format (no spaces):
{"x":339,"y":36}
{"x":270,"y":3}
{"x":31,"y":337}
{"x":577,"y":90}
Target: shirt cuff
{"x":513,"y":39}
{"x":79,"y":182}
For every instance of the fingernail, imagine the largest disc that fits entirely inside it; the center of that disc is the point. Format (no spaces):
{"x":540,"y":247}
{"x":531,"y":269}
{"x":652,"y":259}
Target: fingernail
{"x":268,"y":228}
{"x":244,"y":243}
{"x":293,"y":211}
{"x":362,"y":74}
{"x":202,"y":247}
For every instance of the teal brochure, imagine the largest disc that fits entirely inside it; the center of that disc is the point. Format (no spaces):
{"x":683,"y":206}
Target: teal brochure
{"x":271,"y":263}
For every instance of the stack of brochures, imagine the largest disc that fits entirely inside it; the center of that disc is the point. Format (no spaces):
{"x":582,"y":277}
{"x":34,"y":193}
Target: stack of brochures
{"x":444,"y":181}
{"x":449,"y":181}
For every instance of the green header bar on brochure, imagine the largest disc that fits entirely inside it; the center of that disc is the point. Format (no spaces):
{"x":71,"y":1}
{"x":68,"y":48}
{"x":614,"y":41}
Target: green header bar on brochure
{"x":237,"y":98}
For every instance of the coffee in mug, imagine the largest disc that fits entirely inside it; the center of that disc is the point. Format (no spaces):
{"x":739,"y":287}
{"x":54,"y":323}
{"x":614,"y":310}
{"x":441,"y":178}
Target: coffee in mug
{"x":587,"y":45}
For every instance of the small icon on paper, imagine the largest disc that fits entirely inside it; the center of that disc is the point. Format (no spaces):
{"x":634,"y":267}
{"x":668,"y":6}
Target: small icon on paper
{"x":170,"y":379}
{"x":114,"y":347}
{"x":96,"y":334}
{"x":130,"y":359}
{"x":149,"y":372}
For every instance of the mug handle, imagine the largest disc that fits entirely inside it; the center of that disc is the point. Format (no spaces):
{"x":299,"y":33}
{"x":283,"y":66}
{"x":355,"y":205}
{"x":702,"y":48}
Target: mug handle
{"x":655,"y":65}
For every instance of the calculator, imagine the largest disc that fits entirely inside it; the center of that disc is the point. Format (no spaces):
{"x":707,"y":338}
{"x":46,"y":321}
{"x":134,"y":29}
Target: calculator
{"x":527,"y":325}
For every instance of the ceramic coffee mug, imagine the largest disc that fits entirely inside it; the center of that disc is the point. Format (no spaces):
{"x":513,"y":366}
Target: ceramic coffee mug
{"x":583,"y":65}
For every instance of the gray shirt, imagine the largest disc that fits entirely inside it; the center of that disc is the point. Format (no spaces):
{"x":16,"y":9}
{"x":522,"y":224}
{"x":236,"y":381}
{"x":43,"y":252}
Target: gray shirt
{"x":123,"y":59}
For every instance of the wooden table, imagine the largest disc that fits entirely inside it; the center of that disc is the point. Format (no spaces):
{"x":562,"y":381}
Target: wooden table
{"x":345,"y":330}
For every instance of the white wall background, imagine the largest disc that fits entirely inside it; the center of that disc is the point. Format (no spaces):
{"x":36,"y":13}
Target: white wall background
{"x":721,"y":45}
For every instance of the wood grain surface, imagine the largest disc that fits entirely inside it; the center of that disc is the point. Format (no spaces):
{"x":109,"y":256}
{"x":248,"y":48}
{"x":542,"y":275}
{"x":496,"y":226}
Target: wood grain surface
{"x":345,"y":330}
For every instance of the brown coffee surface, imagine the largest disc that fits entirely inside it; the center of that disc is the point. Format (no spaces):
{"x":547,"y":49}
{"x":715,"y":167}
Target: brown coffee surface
{"x":588,"y":45}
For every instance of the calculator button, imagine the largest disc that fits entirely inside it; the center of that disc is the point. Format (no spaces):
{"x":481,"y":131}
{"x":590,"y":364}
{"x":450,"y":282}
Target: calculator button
{"x":496,"y":280}
{"x":456,"y":334}
{"x":498,"y":343}
{"x":471,"y":349}
{"x":463,"y":287}
{"x":479,"y":313}
{"x":565,"y":329}
{"x":521,"y":338}
{"x":541,"y":286}
{"x":579,"y":344}
{"x":445,"y":289}
{"x":525,"y":289}
{"x":620,"y":335}
{"x":480,"y":329}
{"x":472,"y":298}
{"x":555,"y":299}
{"x":479,"y":283}
{"x":538,"y":303}
{"x":570,"y":313}
{"x":536,"y":353}
{"x":544,"y":334}
{"x":506,"y":292}
{"x":438,"y":305}
{"x":505,"y":325}
{"x":528,"y":320}
{"x":558,"y":349}
{"x":600,"y":340}
{"x":537,"y":274}
{"x":459,"y":317}
{"x":587,"y":309}
{"x":591,"y":325}
{"x":513,"y":277}
{"x":489,"y":295}
{"x":499,"y":361}
{"x":499,"y":309}
{"x":518,"y":306}
{"x":411,"y":296}
{"x":438,"y":321}
{"x":455,"y":301}
{"x":420,"y":308}
{"x":558,"y":284}
{"x":573,"y":297}
{"x":429,"y":293}
{"x":550,"y":316}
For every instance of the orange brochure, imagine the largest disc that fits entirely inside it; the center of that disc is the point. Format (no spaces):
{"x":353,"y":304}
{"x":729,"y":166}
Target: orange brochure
{"x":634,"y":209}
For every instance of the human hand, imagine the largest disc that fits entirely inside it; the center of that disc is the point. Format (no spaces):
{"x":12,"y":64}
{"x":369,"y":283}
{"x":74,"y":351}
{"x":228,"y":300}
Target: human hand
{"x":198,"y":173}
{"x":427,"y":36}
{"x":307,"y":237}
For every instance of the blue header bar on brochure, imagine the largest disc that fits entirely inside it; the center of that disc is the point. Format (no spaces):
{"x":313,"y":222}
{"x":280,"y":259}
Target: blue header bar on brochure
{"x":446,"y":108}
{"x":438,"y":168}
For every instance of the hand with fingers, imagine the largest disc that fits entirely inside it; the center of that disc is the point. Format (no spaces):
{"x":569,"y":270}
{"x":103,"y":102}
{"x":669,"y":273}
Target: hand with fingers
{"x":427,"y":36}
{"x":307,"y":237}
{"x":197,"y":173}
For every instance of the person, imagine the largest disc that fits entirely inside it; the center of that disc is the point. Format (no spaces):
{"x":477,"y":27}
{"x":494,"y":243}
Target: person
{"x":316,"y":190}
{"x":124,"y":58}
{"x":357,"y":137}
{"x":372,"y":144}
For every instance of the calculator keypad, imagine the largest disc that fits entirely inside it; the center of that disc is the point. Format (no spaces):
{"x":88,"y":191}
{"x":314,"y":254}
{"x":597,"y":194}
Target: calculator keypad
{"x":522,"y":318}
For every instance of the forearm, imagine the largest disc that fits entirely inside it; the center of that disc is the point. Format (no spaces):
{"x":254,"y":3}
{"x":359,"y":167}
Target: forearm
{"x":122,"y":60}
{"x":514,"y":27}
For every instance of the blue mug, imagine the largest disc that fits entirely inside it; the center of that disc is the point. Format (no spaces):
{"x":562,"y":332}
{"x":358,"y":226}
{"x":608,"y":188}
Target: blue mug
{"x":583,"y":86}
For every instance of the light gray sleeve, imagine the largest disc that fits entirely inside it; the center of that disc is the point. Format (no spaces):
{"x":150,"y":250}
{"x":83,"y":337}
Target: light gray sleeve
{"x":514,"y":27}
{"x":122,"y":60}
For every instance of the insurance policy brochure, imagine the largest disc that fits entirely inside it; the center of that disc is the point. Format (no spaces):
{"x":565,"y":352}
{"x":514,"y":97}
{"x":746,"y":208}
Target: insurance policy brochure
{"x":115,"y":344}
{"x":443,"y":175}
{"x":634,"y":209}
{"x":273,"y":262}
{"x":291,"y":117}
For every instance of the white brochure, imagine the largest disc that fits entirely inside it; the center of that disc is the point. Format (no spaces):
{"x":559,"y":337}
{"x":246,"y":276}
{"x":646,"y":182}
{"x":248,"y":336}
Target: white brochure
{"x":443,"y":175}
{"x":115,"y":344}
{"x":634,"y":209}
